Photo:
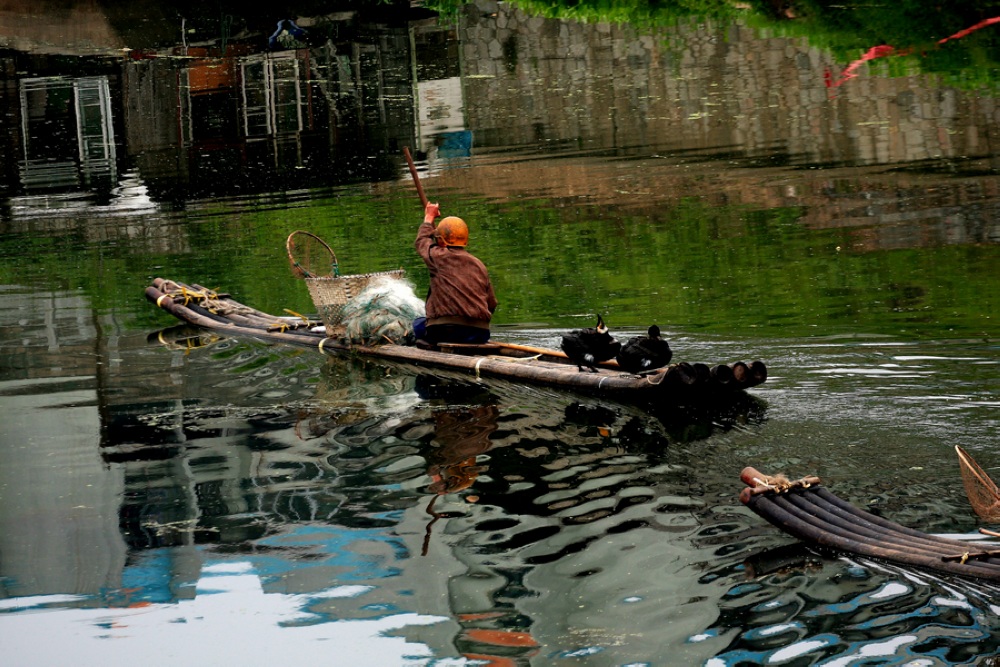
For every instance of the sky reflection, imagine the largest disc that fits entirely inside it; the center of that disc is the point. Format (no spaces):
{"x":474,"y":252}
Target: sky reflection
{"x":231,"y":620}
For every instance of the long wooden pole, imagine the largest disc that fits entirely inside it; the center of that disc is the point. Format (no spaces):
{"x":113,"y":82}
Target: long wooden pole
{"x":416,"y":178}
{"x":546,"y":351}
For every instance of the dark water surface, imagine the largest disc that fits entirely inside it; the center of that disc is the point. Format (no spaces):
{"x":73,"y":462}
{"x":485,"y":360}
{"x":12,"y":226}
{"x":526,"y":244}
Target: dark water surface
{"x":169,"y":495}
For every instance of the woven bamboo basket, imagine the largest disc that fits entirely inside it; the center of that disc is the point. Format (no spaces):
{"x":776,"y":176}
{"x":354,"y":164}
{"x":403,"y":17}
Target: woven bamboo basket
{"x":331,"y":293}
{"x":314,"y":261}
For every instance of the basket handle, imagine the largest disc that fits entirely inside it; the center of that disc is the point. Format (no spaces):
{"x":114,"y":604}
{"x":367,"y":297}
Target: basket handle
{"x":298,"y":268}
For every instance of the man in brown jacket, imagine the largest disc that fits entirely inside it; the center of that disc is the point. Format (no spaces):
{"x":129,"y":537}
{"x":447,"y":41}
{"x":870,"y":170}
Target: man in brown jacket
{"x":461,"y":301}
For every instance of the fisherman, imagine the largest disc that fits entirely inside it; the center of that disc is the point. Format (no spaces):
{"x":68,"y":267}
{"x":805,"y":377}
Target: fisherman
{"x":460,"y":302}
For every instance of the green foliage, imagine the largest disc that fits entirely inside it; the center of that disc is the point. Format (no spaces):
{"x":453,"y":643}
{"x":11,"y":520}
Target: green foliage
{"x":639,"y":13}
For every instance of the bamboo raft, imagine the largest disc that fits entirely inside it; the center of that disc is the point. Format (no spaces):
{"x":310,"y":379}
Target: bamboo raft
{"x":806,"y":510}
{"x":220,"y":313}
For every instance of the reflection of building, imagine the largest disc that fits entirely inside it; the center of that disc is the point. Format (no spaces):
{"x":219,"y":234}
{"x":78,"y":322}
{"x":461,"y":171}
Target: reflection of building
{"x":58,"y":501}
{"x":273,"y":100}
{"x":238,"y":117}
{"x":68,"y":136}
{"x":230,"y":114}
{"x":212,"y":123}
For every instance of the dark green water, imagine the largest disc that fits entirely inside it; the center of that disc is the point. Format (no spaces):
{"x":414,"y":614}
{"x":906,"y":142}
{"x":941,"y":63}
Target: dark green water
{"x":182,"y":496}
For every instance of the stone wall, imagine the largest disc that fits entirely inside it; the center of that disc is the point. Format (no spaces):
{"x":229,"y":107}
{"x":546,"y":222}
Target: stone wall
{"x":702,"y":88}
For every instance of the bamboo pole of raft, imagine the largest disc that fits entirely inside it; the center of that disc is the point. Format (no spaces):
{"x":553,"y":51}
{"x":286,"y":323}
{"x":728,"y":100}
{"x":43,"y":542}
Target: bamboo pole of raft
{"x":234,"y":312}
{"x":881,"y":523}
{"x":816,"y":515}
{"x":829,"y":502}
{"x":552,"y":374}
{"x":775,"y":510}
{"x":845,"y":510}
{"x":225,"y":326}
{"x":813,"y":506}
{"x":722,"y":374}
{"x":702,"y":373}
{"x":925,"y":546}
{"x":611,"y":363}
{"x":682,"y":374}
{"x":219,"y":312}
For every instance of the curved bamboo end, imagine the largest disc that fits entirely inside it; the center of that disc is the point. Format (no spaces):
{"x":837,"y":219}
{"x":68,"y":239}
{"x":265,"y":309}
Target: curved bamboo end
{"x":750,"y":475}
{"x":155,"y":295}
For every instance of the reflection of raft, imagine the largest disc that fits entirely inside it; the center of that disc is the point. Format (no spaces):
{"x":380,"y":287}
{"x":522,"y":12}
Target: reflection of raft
{"x":806,"y":510}
{"x":218,"y":312}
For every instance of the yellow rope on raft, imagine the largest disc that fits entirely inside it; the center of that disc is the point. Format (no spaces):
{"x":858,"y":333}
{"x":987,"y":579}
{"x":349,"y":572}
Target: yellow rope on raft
{"x":780,"y":483}
{"x":304,"y":319}
{"x":663,"y":376}
{"x":189,"y":295}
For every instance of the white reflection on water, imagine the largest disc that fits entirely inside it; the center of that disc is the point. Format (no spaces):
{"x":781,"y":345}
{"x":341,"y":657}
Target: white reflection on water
{"x":231,"y":620}
{"x":887,"y":649}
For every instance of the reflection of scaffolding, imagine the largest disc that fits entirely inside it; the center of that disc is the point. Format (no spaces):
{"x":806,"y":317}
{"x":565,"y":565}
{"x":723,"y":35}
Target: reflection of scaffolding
{"x":272,"y":95}
{"x":68,"y":132}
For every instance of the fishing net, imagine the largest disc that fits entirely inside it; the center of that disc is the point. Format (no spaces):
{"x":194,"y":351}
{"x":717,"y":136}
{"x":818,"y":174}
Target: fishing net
{"x":382,"y":313}
{"x":984,"y":496}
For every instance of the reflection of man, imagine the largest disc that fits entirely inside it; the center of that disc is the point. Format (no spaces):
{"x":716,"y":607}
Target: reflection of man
{"x":460,"y":436}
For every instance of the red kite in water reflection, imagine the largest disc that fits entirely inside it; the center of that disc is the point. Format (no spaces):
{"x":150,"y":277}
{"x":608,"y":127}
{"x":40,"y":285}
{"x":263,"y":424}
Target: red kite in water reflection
{"x":851,"y":70}
{"x":962,"y":33}
{"x":883,"y":50}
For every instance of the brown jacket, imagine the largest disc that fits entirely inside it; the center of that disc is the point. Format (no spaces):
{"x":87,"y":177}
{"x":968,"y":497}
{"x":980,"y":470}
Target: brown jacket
{"x":461,"y":292}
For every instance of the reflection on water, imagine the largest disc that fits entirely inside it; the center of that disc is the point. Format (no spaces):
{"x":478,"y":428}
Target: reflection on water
{"x":337,"y":498}
{"x":888,"y":615}
{"x":228,"y":600}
